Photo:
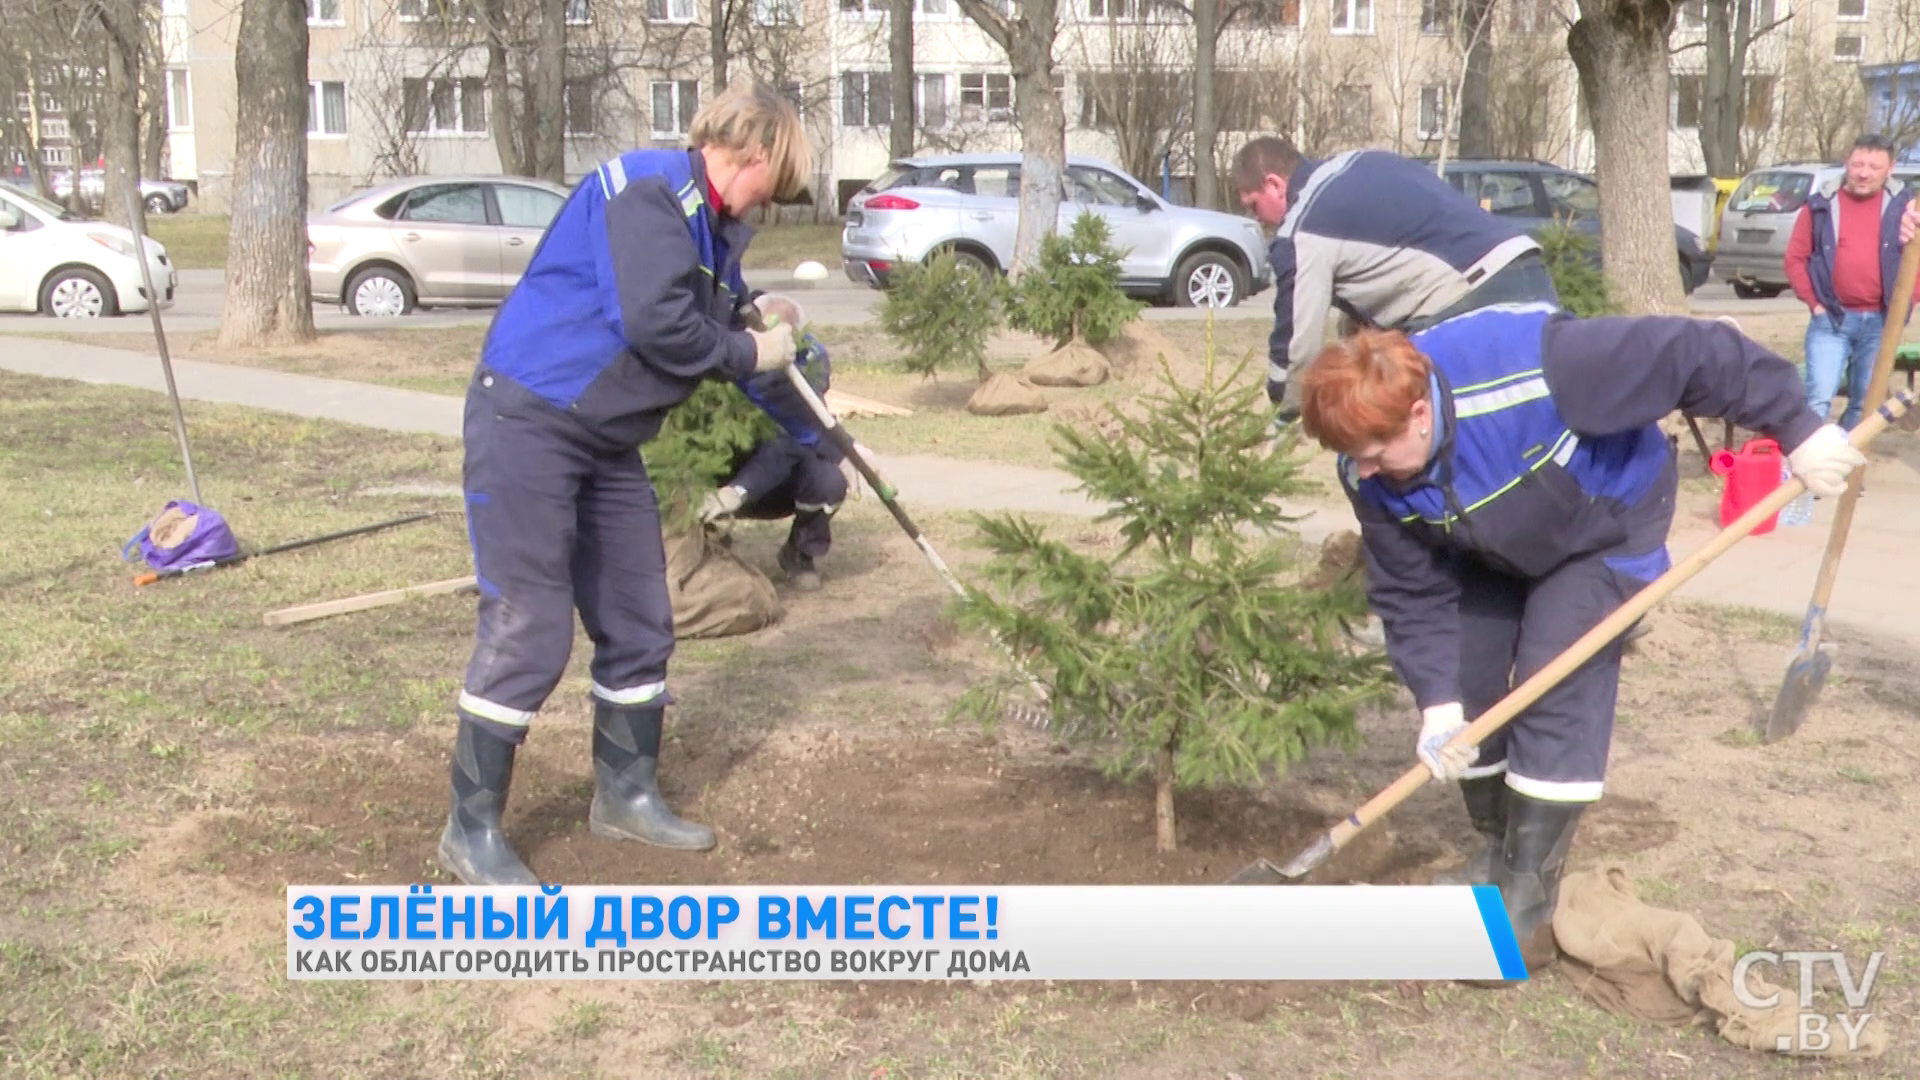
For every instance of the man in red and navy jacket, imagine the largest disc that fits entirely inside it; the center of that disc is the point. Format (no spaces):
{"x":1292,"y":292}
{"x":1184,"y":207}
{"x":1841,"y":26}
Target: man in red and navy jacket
{"x":1842,"y":260}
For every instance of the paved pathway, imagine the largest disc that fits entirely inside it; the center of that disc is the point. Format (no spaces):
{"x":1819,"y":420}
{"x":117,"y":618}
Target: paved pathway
{"x":1877,"y":591}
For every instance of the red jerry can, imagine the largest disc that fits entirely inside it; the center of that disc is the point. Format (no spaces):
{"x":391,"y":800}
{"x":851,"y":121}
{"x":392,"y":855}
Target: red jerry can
{"x":1751,"y":473}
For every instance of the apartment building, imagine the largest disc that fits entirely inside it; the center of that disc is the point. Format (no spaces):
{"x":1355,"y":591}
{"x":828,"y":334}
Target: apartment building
{"x":403,"y":86}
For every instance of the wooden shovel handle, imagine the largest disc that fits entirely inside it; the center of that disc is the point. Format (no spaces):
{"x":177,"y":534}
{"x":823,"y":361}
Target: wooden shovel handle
{"x":1615,"y":624}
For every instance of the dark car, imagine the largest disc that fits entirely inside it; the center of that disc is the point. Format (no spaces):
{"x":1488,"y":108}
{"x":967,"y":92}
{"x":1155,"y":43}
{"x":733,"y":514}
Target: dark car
{"x":1536,"y":194}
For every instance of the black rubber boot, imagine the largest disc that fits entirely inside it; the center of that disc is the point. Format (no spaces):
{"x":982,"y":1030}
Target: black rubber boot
{"x":1486,"y":799}
{"x":799,"y":568}
{"x":1531,"y":863}
{"x":627,"y":804}
{"x":473,"y":847}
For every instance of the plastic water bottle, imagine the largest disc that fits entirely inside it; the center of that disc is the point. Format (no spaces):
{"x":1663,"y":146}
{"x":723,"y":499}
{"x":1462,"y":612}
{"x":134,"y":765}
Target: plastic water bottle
{"x":1800,"y":510}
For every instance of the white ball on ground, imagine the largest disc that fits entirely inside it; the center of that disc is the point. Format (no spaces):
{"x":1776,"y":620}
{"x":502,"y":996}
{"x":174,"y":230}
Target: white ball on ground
{"x":810,"y":271}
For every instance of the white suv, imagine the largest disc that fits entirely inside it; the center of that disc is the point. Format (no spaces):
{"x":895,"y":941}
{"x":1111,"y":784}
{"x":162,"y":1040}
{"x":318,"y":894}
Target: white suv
{"x":970,"y":204}
{"x":59,"y":264}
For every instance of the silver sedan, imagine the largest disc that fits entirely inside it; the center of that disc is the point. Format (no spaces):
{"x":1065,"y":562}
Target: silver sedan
{"x":428,"y":241}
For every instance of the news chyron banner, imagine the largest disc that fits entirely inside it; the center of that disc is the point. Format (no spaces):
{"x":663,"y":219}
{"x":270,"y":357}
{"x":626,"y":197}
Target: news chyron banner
{"x":1232,"y":932}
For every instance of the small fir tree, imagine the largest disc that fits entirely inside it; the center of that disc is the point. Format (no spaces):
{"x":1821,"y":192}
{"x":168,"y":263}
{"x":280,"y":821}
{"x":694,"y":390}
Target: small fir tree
{"x":1573,"y":262}
{"x":1196,"y":653}
{"x":703,"y":440}
{"x":1074,"y":290}
{"x":941,"y":314}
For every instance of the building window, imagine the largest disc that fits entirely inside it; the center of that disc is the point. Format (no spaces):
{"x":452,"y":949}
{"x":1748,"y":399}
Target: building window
{"x":444,"y":106}
{"x":1851,"y":10}
{"x":674,"y":104}
{"x":931,"y":9}
{"x":444,"y":11}
{"x":59,"y":156}
{"x":866,"y":98}
{"x":1436,"y":17}
{"x":55,"y":128}
{"x":1848,"y":47}
{"x":1433,"y":112}
{"x":579,"y":13}
{"x":1759,"y":92}
{"x":987,"y":93}
{"x":670,"y":11}
{"x":930,"y":105}
{"x":1683,"y":106}
{"x":1532,"y":16}
{"x":776,"y":12}
{"x":179,"y":100}
{"x":1272,"y":12}
{"x":578,"y":98}
{"x":868,"y":8}
{"x":1352,"y":17}
{"x":324,"y":13}
{"x":326,"y":108}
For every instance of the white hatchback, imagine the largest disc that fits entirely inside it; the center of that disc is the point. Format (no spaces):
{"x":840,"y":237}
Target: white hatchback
{"x":57,"y":263}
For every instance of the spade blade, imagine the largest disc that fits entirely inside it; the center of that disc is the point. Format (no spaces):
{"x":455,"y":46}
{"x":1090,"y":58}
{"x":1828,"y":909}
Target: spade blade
{"x":1805,"y":676}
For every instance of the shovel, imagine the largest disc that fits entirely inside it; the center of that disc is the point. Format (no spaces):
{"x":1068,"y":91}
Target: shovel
{"x":1340,"y":835}
{"x":887,"y":494}
{"x":1807,"y":667}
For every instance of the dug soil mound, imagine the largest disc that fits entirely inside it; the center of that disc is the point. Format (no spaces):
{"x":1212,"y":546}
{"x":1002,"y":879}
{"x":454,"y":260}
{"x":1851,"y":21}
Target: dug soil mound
{"x":1005,"y":395}
{"x":1075,"y":364}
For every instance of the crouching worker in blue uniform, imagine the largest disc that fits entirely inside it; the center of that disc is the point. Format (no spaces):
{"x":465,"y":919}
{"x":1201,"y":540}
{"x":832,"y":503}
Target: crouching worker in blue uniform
{"x":1514,"y":489}
{"x":798,"y":473}
{"x":631,"y":299}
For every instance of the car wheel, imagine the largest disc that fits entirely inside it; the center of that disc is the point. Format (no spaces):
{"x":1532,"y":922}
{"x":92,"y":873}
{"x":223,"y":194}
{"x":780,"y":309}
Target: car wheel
{"x":158,"y":204}
{"x":1208,"y":279}
{"x":79,"y":293}
{"x":380,"y":292}
{"x":964,"y":259}
{"x":1756,"y":292}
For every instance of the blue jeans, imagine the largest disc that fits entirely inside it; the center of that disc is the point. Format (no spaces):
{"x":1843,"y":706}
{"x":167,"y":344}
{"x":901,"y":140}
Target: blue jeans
{"x":1849,"y":351}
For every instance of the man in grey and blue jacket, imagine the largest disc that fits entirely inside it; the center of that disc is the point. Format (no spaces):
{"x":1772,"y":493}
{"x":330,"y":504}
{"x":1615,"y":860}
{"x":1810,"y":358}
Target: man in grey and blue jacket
{"x":1381,"y":238}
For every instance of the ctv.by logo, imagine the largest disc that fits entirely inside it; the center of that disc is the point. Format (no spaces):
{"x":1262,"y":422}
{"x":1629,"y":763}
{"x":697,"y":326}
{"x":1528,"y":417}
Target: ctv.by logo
{"x":1813,"y":1034}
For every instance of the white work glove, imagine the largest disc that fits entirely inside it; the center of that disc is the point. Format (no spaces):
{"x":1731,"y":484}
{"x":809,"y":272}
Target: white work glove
{"x":721,"y":502}
{"x":1825,"y":460}
{"x":773,"y":348}
{"x":1440,"y":723}
{"x":856,"y":486}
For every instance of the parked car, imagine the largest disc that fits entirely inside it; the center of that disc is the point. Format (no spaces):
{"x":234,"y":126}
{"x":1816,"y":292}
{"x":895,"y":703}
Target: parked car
{"x":970,"y":204}
{"x":428,"y":241}
{"x":54,"y":262}
{"x":161,"y":196}
{"x":1751,"y":251}
{"x":1538,"y":194}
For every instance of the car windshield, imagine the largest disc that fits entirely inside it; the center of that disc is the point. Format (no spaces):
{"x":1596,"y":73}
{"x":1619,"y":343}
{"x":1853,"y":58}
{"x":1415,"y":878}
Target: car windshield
{"x":54,"y":210}
{"x":1772,"y":192}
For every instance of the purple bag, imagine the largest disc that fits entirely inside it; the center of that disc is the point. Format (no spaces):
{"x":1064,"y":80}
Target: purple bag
{"x":183,"y":535}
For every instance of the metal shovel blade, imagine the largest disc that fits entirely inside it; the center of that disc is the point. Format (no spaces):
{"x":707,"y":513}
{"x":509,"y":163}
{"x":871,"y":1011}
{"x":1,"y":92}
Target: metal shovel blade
{"x":1263,"y":872}
{"x":1805,"y":676}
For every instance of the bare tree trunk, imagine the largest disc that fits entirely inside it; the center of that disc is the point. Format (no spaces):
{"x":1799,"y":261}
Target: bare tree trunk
{"x":717,"y":43}
{"x":1476,"y":86}
{"x":1165,"y":838}
{"x":1206,"y":124}
{"x":153,"y":94}
{"x":122,"y":120}
{"x":36,"y":163}
{"x":269,"y":300}
{"x":1723,"y":89}
{"x":1028,"y":43}
{"x":1619,"y":48}
{"x":900,"y":55}
{"x":546,"y":96}
{"x":506,"y":132}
